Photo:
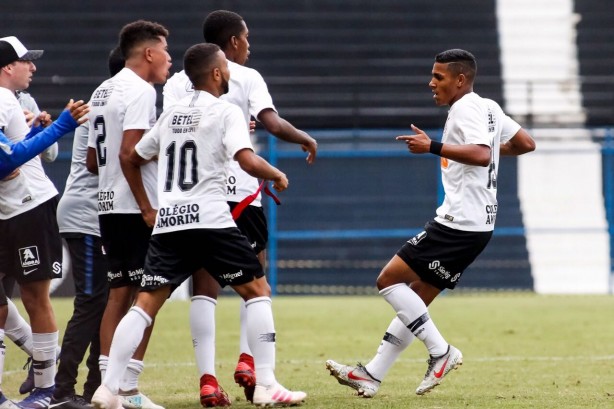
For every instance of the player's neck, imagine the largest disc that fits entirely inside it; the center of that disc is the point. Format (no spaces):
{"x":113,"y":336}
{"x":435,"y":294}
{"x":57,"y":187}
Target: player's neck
{"x":140,"y":69}
{"x":211,"y":90}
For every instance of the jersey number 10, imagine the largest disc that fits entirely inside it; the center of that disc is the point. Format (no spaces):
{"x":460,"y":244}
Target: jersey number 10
{"x":188,"y":166}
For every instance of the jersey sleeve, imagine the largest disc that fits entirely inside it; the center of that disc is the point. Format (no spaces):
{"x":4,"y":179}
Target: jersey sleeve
{"x":509,"y":128}
{"x":473,"y":123}
{"x":259,"y":97}
{"x":149,"y":145}
{"x":7,"y":116}
{"x":236,"y":134}
{"x":141,"y":109}
{"x":169,"y":92}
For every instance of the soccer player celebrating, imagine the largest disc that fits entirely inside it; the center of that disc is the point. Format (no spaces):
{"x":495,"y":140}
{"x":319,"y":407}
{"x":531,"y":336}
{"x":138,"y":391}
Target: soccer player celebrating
{"x":194,"y":228}
{"x":476,"y":133}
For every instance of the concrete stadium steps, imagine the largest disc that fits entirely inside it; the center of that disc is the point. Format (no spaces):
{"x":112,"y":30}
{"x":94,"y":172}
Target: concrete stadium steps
{"x":596,"y":55}
{"x":343,"y":43}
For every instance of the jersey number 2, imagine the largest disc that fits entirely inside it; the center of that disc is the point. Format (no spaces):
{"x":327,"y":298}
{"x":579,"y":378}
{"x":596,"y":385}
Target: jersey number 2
{"x":188,"y":166}
{"x":101,"y":135}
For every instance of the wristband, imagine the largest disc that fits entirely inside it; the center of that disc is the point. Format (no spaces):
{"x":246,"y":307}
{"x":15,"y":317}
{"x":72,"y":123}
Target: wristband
{"x":435,"y":148}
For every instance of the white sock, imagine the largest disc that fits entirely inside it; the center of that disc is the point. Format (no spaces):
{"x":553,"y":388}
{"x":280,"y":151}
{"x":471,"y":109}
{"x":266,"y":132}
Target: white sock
{"x":44,"y":348}
{"x":243,"y":344}
{"x":2,"y":355}
{"x":17,"y":329}
{"x":412,"y":311}
{"x":103,"y":361}
{"x":396,"y":339}
{"x":202,"y":325}
{"x":130,"y":380}
{"x":127,"y":337}
{"x":261,"y":338}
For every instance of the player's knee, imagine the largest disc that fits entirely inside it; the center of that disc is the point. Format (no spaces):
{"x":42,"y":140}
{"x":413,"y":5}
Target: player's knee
{"x":383,"y":281}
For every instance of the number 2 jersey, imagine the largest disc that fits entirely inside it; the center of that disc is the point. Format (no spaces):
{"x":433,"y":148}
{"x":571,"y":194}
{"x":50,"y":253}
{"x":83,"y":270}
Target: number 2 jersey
{"x":121,"y":103}
{"x":470,"y":202}
{"x":193,"y":140}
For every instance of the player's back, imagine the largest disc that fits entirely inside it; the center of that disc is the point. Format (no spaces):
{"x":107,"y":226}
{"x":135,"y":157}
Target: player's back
{"x":193,"y":140}
{"x":124,"y":102}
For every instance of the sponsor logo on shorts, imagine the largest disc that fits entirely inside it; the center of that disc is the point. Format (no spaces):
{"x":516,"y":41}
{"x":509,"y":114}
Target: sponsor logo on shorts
{"x":57,"y":268}
{"x":232,"y":276}
{"x":153,"y":280}
{"x":26,"y":272}
{"x":29,"y":256}
{"x":441,"y":271}
{"x":112,"y":276}
{"x":135,"y":275}
{"x":417,"y":238}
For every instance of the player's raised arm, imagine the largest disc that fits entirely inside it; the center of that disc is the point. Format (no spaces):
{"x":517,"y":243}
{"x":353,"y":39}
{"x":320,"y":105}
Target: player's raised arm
{"x":285,"y":131}
{"x":260,"y":168}
{"x":470,"y":154}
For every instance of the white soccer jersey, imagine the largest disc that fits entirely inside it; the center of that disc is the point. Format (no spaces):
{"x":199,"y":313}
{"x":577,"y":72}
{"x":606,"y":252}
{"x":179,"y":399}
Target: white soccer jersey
{"x":470,"y":202}
{"x":32,"y":187}
{"x":249,"y":92}
{"x":124,"y":102}
{"x":193,"y":141}
{"x":78,"y":207}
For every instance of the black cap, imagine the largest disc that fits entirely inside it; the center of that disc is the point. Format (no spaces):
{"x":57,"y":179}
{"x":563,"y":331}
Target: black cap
{"x":11,"y":50}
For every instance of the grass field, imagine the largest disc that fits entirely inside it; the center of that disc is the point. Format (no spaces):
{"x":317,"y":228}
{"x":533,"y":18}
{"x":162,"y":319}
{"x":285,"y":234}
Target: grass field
{"x":520,"y":351}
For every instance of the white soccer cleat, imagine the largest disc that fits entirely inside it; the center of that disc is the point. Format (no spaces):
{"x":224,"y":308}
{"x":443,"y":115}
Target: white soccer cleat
{"x":356,"y":377}
{"x":438,"y":368}
{"x":136,"y":400}
{"x":277,"y":396}
{"x":104,"y":399}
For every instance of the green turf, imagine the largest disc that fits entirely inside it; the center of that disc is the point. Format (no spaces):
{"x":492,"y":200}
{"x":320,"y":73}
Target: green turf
{"x":520,"y":351}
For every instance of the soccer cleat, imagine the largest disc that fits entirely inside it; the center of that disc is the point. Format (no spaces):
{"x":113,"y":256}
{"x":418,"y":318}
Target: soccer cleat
{"x":39,"y":398}
{"x":211,"y":393}
{"x":6,"y":403}
{"x":69,"y":402}
{"x":277,"y":396}
{"x":245,"y":375}
{"x":134,"y":399}
{"x":438,"y":368}
{"x":105,"y":399}
{"x":211,"y":396}
{"x":27,"y":385}
{"x":356,"y":377}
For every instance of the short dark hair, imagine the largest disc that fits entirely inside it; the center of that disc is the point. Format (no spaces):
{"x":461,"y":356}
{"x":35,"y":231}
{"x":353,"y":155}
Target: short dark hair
{"x":459,"y":62}
{"x":198,"y":60}
{"x":116,"y":61}
{"x":220,"y":26}
{"x":135,"y":33}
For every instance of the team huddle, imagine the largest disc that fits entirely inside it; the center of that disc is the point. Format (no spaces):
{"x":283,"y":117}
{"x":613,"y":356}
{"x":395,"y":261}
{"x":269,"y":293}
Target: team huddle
{"x":151,"y":202}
